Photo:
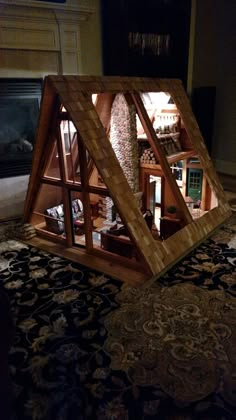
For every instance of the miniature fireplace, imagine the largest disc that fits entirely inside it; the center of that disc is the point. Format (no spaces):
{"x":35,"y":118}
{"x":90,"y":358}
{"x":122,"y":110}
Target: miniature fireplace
{"x":19,"y":109}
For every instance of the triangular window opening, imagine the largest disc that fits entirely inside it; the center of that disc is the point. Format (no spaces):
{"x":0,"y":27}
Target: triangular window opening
{"x":123,"y":174}
{"x":52,"y":167}
{"x":68,"y":139}
{"x":48,"y":214}
{"x":177,"y":149}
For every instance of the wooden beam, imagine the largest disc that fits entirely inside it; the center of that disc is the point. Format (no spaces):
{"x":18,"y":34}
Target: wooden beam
{"x":85,"y":194}
{"x":64,"y":175}
{"x":103,"y":107}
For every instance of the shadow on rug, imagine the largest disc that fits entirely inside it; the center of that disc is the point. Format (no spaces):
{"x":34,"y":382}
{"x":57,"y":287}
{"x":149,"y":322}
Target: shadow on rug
{"x":88,"y":347}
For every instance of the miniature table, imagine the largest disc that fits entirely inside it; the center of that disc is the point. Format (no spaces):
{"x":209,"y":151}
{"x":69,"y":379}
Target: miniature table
{"x":169,"y":226}
{"x":189,"y":202}
{"x":79,"y":226}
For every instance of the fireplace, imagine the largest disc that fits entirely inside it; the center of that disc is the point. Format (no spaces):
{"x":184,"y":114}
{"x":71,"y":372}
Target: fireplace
{"x":19,"y":110}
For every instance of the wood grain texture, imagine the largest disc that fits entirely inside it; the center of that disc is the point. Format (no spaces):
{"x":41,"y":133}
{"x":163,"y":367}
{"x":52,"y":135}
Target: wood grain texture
{"x":92,"y":125}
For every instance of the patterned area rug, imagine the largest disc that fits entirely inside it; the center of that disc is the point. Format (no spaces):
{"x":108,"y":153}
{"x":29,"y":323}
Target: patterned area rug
{"x":88,"y":347}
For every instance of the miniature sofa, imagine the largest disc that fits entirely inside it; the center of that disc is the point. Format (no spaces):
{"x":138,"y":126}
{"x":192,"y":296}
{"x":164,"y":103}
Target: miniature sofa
{"x":54,"y":216}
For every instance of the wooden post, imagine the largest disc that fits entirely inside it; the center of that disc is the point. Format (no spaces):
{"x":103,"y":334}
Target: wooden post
{"x":85,"y":194}
{"x":65,"y":194}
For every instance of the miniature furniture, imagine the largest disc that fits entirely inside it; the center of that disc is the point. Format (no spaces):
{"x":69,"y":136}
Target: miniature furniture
{"x":118,"y":244}
{"x":169,"y":226}
{"x":79,"y":226}
{"x":190,"y":203}
{"x":148,"y":217}
{"x":54,"y":217}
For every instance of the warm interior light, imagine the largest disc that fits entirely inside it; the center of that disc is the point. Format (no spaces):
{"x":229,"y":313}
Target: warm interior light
{"x":69,"y":128}
{"x":156,"y":100}
{"x":94,"y":98}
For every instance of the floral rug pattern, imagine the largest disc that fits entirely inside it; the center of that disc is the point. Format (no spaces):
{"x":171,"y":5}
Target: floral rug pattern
{"x":86,"y":346}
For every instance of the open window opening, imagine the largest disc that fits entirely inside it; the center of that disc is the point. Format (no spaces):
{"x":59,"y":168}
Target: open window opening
{"x":48,"y":214}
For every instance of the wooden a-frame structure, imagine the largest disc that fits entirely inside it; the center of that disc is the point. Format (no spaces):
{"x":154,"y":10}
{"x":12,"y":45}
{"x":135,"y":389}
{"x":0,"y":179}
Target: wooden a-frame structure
{"x":74,"y":94}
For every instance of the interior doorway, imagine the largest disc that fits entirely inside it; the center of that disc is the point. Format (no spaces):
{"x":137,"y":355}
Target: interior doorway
{"x":195,"y":184}
{"x":155,"y":188}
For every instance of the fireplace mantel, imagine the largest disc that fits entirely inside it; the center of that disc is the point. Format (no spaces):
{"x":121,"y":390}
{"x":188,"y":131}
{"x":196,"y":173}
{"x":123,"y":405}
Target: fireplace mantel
{"x":38,"y":38}
{"x":82,"y":6}
{"x":47,"y":33}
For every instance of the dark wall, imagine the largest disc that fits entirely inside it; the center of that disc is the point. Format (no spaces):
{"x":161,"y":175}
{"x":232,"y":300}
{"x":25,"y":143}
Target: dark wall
{"x":146,"y":38}
{"x":203,"y":104}
{"x":214,"y":64}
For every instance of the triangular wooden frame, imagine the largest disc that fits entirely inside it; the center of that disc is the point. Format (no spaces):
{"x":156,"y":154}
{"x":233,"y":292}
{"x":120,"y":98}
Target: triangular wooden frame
{"x":74,"y":92}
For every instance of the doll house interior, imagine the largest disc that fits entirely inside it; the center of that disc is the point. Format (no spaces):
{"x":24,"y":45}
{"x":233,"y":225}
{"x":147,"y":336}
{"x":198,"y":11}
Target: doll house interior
{"x":121,"y":174}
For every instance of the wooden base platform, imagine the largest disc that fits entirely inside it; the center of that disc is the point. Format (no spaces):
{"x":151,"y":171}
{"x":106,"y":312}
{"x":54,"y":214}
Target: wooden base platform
{"x":115,"y":270}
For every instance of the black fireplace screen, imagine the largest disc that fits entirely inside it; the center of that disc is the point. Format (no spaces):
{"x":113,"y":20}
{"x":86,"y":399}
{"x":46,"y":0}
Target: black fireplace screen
{"x":19,"y":111}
